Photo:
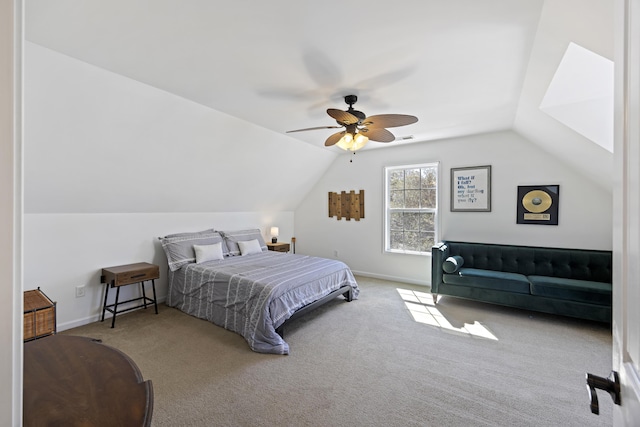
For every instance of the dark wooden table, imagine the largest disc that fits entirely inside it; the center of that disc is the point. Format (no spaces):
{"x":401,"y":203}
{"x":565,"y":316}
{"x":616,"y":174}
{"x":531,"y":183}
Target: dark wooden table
{"x":77,"y":381}
{"x":122,"y":275}
{"x":278,"y":247}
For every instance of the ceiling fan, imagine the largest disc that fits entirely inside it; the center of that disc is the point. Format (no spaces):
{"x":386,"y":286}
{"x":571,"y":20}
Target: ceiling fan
{"x":358,"y":128}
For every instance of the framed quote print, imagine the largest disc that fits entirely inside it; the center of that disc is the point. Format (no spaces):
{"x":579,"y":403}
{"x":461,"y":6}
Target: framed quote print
{"x":471,"y":189}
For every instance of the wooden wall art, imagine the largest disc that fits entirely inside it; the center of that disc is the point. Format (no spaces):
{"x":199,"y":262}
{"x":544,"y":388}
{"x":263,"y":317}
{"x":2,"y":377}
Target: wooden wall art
{"x":347,"y":205}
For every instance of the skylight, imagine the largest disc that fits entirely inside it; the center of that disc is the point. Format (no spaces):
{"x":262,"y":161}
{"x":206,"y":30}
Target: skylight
{"x":581,"y":95}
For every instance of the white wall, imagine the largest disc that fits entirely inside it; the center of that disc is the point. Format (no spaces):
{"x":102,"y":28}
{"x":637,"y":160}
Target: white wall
{"x":584,"y":209}
{"x":96,"y":141}
{"x":588,"y":23}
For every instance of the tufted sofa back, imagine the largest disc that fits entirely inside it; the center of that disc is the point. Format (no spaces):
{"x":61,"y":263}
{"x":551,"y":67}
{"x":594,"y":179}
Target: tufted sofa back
{"x":579,"y":264}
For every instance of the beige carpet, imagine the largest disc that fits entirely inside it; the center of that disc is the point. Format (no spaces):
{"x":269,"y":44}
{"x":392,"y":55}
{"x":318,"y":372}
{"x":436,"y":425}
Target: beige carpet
{"x":377,"y":361}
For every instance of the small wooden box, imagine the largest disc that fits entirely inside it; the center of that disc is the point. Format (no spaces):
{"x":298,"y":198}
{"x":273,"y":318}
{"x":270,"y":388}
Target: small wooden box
{"x":39,"y":315}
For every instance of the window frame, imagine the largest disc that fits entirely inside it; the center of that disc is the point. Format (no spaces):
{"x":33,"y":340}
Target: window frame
{"x":387,"y":210}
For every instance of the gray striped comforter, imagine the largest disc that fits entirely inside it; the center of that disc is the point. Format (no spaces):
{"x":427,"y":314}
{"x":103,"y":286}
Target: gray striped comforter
{"x":254,"y":294}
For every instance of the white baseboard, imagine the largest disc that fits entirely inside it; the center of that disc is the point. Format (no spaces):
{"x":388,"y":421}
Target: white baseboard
{"x":79,"y":322}
{"x":392,"y":278}
{"x":95,"y":318}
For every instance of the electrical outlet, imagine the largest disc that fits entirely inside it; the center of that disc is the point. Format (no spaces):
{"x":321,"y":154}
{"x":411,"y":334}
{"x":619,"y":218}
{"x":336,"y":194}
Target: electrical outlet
{"x":79,"y":291}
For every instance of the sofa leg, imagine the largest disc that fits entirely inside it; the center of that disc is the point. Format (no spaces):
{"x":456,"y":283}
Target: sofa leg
{"x":435,"y":298}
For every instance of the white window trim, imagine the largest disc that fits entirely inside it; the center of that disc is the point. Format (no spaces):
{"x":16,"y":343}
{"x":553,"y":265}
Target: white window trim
{"x":387,"y":219}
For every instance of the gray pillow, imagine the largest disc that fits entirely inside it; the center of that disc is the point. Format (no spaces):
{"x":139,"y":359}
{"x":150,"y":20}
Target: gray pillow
{"x":452,"y":264}
{"x":232,"y":238}
{"x":190,"y":233}
{"x":179,"y":247}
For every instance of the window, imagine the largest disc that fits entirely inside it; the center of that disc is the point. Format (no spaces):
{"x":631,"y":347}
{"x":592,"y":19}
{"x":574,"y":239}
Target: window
{"x":411,"y":208}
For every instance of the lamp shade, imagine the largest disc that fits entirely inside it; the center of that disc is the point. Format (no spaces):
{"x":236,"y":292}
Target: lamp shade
{"x":274,"y":234}
{"x":346,"y":141}
{"x":358,"y":142}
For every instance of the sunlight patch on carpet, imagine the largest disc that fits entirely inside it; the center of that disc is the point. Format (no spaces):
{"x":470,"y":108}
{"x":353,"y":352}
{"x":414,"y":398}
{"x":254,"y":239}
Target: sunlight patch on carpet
{"x":423,"y":310}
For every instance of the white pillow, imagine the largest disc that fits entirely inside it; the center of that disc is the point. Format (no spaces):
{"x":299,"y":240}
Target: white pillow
{"x":208,"y":252}
{"x":249,"y":247}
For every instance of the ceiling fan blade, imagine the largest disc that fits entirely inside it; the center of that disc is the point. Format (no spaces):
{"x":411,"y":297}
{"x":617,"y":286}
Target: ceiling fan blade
{"x":333,"y":139}
{"x":343,"y":117}
{"x":389,"y":120}
{"x":315,"y":128}
{"x":380,"y":135}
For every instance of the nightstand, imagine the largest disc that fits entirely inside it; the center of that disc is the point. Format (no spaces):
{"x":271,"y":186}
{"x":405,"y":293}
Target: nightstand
{"x":278,"y":247}
{"x":122,"y":275}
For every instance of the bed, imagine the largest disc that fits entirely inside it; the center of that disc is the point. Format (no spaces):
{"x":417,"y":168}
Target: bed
{"x":230,"y":279}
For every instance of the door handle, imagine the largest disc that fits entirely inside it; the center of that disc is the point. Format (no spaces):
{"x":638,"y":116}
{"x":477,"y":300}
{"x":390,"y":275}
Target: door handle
{"x":610,"y":385}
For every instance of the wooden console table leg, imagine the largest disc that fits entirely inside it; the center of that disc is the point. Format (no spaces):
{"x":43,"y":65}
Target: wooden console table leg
{"x":155,"y":300}
{"x":104,"y":306}
{"x":115,"y":308}
{"x":144,"y":295}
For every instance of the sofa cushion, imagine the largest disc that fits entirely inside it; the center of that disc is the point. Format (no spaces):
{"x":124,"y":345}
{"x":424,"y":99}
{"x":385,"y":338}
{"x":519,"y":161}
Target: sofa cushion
{"x":452,"y":264}
{"x":489,"y":279}
{"x":570,"y":289}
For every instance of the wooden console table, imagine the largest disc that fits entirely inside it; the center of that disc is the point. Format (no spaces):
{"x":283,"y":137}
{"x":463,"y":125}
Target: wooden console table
{"x":128,"y":274}
{"x":77,"y":381}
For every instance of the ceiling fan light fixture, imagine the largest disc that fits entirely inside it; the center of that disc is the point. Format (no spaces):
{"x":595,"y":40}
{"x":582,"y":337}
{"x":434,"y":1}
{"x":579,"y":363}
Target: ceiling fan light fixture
{"x":346,"y":141}
{"x":359,"y":141}
{"x":352,"y":142}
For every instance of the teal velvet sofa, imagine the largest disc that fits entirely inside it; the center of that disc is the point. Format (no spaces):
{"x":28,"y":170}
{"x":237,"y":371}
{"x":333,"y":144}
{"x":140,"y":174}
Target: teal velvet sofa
{"x":569,"y":282}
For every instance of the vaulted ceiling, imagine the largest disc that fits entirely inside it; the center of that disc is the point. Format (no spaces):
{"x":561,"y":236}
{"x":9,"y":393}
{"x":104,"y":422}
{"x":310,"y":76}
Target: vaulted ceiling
{"x":462,"y":67}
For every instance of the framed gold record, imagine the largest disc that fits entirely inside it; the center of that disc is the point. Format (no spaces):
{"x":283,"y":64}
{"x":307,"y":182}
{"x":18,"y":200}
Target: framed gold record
{"x":538,"y":204}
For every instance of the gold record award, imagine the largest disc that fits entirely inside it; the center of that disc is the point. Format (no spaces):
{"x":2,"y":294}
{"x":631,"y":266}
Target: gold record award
{"x":538,"y":204}
{"x":536,"y":201}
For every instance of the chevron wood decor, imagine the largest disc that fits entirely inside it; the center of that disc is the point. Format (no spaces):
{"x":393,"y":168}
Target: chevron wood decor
{"x":347,"y":205}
